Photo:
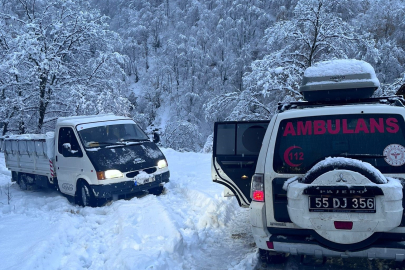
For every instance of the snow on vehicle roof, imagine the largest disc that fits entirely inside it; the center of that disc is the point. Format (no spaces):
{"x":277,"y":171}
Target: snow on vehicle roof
{"x":104,"y":123}
{"x":339,"y":67}
{"x":75,"y":120}
{"x":24,"y":137}
{"x":20,"y":142}
{"x":342,"y":67}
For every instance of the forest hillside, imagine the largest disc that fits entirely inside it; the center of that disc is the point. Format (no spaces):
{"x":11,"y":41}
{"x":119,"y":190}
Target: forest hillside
{"x":180,"y":65}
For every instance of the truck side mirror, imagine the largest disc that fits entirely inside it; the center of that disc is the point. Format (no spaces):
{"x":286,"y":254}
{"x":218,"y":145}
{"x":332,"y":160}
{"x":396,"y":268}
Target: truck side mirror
{"x":67,"y":150}
{"x":156,"y":137}
{"x":67,"y":146}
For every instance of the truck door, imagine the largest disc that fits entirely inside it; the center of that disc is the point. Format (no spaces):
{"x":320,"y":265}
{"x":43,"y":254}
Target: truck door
{"x":68,"y":162}
{"x":235,"y":152}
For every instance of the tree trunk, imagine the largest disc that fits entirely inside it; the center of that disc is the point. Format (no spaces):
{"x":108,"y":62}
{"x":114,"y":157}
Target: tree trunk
{"x":146,"y":56}
{"x":42,"y":102}
{"x":316,"y":33}
{"x":5,"y":128}
{"x":21,"y":127}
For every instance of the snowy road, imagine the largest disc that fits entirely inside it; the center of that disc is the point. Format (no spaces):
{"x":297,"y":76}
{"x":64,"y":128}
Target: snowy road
{"x":191,"y":226}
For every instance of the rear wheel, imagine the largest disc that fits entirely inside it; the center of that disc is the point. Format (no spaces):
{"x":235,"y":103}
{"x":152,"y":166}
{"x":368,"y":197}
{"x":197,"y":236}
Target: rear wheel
{"x":22,"y":183}
{"x":156,"y":190}
{"x":85,"y":196}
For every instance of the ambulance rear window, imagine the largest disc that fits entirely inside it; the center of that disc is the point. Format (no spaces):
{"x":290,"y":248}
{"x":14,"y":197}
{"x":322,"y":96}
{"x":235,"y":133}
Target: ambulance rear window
{"x":374,"y":138}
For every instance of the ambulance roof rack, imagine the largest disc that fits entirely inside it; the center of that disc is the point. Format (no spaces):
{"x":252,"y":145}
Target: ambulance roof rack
{"x":389,"y":100}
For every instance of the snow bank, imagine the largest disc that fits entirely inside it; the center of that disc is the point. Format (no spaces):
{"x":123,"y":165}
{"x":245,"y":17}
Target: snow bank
{"x":190,"y":226}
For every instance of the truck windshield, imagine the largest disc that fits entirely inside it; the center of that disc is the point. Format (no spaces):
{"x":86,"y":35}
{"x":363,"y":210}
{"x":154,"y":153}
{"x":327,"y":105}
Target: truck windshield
{"x":118,"y":134}
{"x":374,"y":138}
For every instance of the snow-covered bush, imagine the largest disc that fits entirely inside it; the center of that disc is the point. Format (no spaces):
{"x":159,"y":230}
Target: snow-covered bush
{"x":209,"y":144}
{"x":182,"y":135}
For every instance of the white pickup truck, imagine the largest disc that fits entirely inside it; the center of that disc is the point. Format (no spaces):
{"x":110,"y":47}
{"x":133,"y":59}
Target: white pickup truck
{"x":324,"y":177}
{"x":90,"y":158}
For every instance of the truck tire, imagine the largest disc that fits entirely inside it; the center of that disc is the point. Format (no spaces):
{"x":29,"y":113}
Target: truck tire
{"x":156,"y":190}
{"x":22,"y":182}
{"x":85,"y":196}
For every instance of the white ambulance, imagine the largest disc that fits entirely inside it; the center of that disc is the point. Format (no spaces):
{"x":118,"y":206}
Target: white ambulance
{"x":323,"y":177}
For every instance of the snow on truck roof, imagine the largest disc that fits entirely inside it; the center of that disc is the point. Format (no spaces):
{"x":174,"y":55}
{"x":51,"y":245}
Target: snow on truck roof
{"x":76,"y":120}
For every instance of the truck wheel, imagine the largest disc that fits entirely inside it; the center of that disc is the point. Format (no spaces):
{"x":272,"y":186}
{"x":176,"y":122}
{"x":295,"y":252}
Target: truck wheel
{"x":156,"y":190}
{"x":22,"y":182}
{"x":85,"y":196}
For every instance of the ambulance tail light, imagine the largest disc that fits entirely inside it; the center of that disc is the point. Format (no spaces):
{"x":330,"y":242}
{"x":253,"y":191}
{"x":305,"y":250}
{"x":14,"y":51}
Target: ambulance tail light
{"x":270,"y":245}
{"x":257,"y":188}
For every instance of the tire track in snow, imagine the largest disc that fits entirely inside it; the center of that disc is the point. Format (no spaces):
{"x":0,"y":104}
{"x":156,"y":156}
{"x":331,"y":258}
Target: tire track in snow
{"x":190,"y":227}
{"x":216,"y":232}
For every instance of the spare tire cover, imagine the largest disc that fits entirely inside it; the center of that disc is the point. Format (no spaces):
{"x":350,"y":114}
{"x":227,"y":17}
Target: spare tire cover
{"x":366,"y":226}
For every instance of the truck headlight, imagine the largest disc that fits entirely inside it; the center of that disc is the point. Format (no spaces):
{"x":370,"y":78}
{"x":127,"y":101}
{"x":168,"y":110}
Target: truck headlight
{"x":162,"y":163}
{"x":109,"y":174}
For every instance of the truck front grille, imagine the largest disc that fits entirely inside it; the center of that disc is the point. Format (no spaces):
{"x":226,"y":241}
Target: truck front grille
{"x":148,"y":170}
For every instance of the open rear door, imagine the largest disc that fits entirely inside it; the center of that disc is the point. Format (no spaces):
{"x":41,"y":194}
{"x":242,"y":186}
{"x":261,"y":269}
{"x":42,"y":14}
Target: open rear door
{"x":236,"y":150}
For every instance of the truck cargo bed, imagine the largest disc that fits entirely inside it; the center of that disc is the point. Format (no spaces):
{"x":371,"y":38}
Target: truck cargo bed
{"x":29,"y":153}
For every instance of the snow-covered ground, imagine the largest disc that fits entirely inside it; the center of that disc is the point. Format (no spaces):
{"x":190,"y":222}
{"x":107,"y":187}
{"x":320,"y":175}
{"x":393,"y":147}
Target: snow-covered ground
{"x":191,"y":226}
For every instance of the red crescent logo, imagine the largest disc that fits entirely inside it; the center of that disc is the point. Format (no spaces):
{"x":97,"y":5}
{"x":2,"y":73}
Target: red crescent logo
{"x":287,"y":152}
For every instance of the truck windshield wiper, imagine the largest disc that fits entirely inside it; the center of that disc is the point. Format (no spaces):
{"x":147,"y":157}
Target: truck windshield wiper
{"x":361,"y":155}
{"x":134,"y":140}
{"x":110,"y":143}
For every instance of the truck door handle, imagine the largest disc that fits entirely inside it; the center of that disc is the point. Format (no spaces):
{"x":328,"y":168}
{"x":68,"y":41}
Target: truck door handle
{"x":56,"y":158}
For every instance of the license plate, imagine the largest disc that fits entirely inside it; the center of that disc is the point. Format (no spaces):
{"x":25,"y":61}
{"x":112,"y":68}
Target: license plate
{"x":144,"y":181}
{"x":342,"y":204}
{"x":149,"y":180}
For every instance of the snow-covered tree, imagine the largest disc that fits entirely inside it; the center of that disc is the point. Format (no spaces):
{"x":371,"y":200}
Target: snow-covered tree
{"x":314,"y":34}
{"x":183,"y":63}
{"x":61,"y":55}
